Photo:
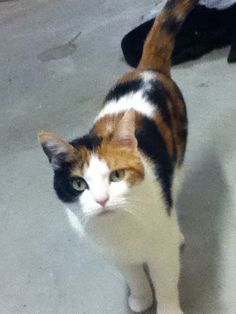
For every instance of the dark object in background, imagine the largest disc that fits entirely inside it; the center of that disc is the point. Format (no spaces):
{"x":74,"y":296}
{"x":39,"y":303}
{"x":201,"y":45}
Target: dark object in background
{"x":204,"y":30}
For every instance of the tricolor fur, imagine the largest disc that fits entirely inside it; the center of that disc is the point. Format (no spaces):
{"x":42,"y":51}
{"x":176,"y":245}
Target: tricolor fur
{"x":120,"y":180}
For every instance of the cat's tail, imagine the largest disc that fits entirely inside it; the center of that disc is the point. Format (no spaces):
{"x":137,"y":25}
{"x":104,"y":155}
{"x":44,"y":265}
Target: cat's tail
{"x":159,"y":45}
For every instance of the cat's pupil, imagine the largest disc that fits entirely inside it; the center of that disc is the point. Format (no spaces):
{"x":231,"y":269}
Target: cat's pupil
{"x":117,"y":174}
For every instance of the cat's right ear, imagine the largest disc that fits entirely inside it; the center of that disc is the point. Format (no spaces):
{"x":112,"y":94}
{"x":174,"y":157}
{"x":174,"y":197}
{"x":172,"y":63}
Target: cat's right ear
{"x":56,"y":149}
{"x":124,"y":134}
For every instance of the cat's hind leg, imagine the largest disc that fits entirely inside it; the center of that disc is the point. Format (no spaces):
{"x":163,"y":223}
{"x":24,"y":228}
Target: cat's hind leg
{"x":141,"y":297}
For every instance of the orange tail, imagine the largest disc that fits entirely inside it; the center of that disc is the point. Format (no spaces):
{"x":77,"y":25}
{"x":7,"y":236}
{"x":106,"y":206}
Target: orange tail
{"x":159,"y":45}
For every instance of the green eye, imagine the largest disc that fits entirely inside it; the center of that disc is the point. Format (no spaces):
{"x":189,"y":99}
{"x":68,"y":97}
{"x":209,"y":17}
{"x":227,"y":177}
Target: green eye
{"x":117,"y":175}
{"x":79,"y":184}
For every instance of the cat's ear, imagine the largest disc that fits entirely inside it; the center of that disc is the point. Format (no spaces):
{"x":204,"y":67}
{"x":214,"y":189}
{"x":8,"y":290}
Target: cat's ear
{"x":56,"y":149}
{"x":124,"y":134}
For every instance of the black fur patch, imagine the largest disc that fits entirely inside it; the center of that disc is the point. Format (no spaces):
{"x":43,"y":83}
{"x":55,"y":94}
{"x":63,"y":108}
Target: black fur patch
{"x":62,"y":185}
{"x":172,"y":25}
{"x":171,"y":4}
{"x":153,"y":145}
{"x":90,"y":141}
{"x":158,"y":95}
{"x":122,"y":89}
{"x":62,"y":176}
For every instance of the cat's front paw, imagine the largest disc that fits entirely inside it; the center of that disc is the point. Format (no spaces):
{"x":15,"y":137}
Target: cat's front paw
{"x":171,"y":310}
{"x":140,"y":304}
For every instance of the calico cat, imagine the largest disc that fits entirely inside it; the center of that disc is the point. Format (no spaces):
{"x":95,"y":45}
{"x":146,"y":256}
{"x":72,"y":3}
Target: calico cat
{"x":120,"y":180}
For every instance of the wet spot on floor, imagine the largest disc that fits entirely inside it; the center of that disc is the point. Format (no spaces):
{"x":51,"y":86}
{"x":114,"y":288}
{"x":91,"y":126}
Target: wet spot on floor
{"x":59,"y":52}
{"x":203,"y":85}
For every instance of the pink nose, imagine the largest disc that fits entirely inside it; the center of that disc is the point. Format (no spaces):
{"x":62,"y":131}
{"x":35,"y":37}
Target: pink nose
{"x":102,"y":202}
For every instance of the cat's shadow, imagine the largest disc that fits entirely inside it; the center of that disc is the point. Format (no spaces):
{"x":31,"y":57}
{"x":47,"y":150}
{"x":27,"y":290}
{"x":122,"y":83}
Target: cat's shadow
{"x":200,"y":212}
{"x":200,"y":209}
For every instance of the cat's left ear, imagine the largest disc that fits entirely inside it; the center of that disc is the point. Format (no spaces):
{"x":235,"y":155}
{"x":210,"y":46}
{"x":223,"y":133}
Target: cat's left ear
{"x":124,"y":134}
{"x":56,"y":149}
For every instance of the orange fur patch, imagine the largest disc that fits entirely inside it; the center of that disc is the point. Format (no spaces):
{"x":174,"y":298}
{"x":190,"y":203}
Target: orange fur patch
{"x":158,"y":47}
{"x":105,"y":126}
{"x":122,"y":158}
{"x":182,"y":7}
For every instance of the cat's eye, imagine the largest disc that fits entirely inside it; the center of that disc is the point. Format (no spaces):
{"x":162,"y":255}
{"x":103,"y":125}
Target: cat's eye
{"x":79,"y":184}
{"x":117,"y":175}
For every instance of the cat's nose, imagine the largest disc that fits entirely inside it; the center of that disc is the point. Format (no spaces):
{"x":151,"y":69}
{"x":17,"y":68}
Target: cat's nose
{"x":103,"y":201}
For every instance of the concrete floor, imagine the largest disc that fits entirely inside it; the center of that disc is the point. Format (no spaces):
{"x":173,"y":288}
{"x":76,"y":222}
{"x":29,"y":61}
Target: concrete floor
{"x":48,"y":81}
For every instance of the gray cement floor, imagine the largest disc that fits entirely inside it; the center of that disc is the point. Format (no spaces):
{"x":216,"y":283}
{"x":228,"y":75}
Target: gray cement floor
{"x":47,"y":81}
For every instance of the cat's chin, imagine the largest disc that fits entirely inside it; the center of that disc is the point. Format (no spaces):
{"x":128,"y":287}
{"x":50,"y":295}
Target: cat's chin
{"x":108,"y":211}
{"x":105,"y":212}
{"x":101,"y":212}
{"x":99,"y":217}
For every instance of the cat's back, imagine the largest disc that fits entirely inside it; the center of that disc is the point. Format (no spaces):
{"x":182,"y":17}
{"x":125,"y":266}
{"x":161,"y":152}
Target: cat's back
{"x":161,"y":119}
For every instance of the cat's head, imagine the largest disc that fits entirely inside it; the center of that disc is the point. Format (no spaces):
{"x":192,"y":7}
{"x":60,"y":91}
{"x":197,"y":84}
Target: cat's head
{"x":96,"y":173}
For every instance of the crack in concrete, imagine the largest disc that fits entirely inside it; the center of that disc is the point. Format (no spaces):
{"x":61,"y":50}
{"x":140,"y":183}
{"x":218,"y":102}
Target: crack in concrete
{"x":59,"y":52}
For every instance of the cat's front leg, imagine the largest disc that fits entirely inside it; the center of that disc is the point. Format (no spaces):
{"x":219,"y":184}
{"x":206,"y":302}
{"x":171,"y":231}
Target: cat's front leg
{"x":164,"y":271}
{"x":141,"y":297}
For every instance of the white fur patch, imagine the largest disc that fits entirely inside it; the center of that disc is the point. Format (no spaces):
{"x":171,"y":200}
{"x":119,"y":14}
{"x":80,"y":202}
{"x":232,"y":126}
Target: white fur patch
{"x":148,"y":76}
{"x":139,"y":215}
{"x":97,"y":177}
{"x":75,"y":222}
{"x":132,"y":100}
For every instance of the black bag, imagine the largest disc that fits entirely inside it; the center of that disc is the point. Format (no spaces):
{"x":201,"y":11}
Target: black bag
{"x":203,"y":30}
